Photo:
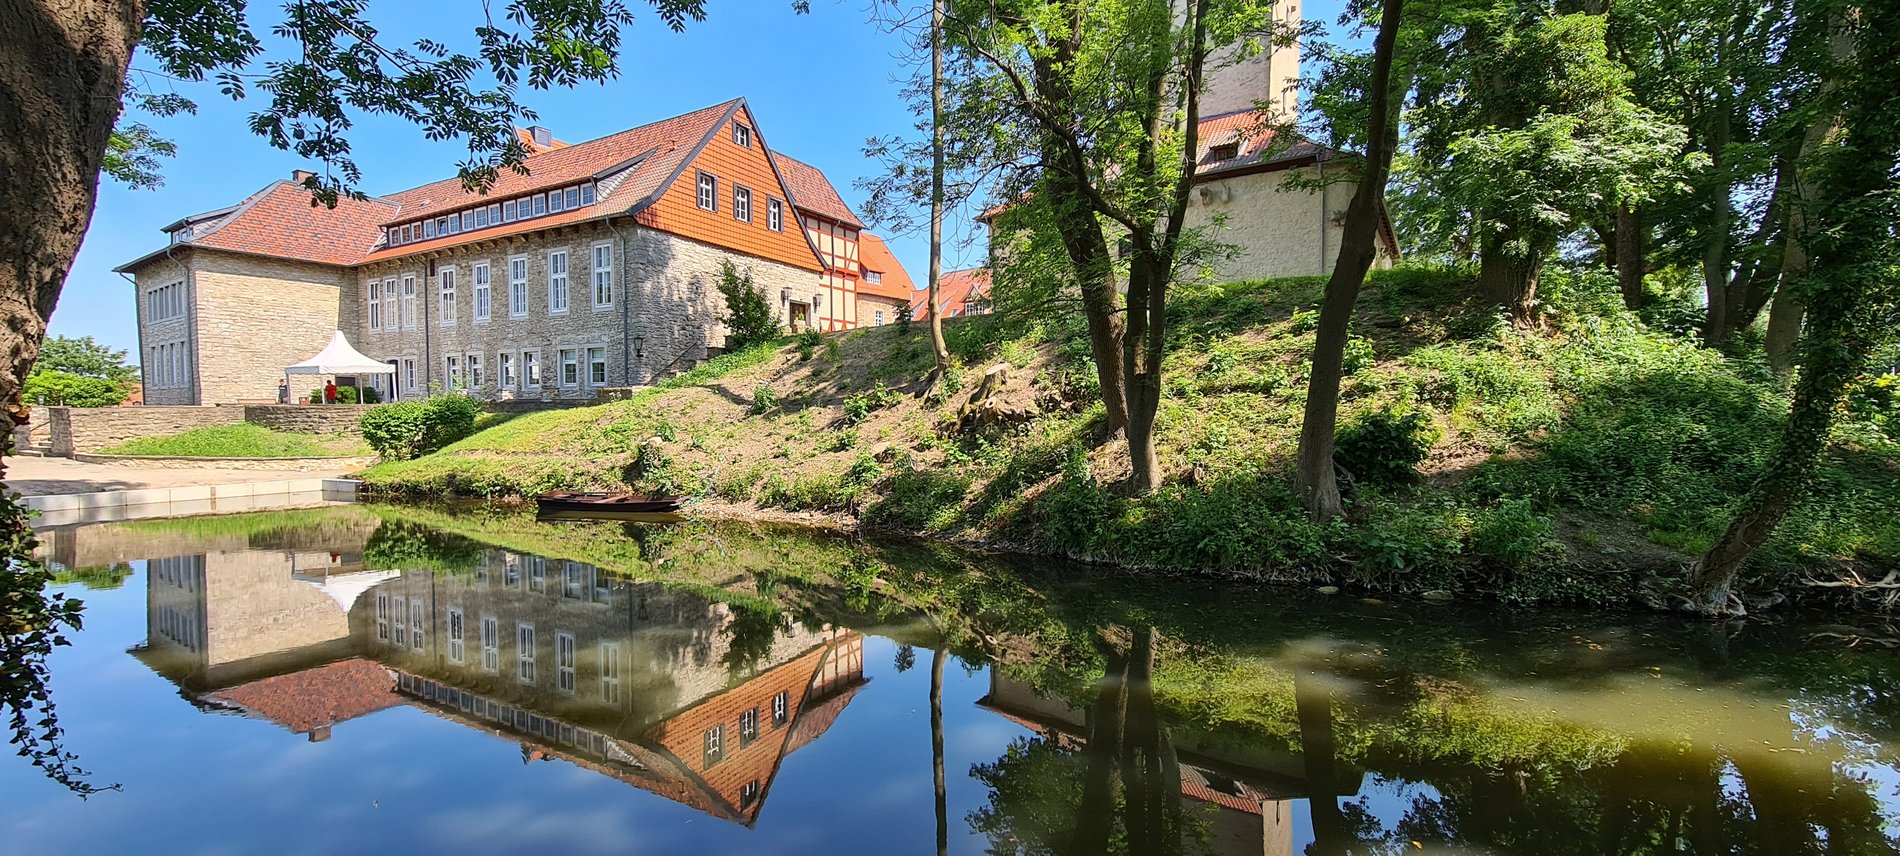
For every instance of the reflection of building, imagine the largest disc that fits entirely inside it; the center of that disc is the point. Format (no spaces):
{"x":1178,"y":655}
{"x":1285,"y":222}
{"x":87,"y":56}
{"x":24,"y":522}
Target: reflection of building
{"x":667,"y":690}
{"x":1249,"y":792}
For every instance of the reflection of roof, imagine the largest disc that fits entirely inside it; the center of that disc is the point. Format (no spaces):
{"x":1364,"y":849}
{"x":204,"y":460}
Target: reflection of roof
{"x":816,"y":719}
{"x":812,"y":191}
{"x":956,"y":291}
{"x":310,"y":699}
{"x":875,"y":255}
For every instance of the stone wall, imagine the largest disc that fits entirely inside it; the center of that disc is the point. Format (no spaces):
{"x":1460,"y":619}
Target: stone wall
{"x":255,"y":316}
{"x":89,"y":429}
{"x":664,"y":313}
{"x":341,"y":463}
{"x":1278,"y":232}
{"x":173,"y":332}
{"x":309,"y":418}
{"x":869,"y":305}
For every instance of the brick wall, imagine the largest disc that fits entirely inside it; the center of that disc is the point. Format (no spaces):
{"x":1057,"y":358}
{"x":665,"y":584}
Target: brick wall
{"x":309,"y":418}
{"x":89,"y":429}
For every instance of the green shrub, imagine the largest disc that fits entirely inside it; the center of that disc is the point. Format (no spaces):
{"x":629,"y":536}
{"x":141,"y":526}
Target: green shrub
{"x":920,"y":499}
{"x":749,"y":318}
{"x":808,"y":343}
{"x":1385,"y":447}
{"x":1358,"y":356}
{"x":763,"y":398}
{"x":71,"y":390}
{"x":411,"y":429}
{"x":1514,"y":535}
{"x":346,"y":395}
{"x":1076,"y":508}
{"x":371,"y":395}
{"x":859,"y":407}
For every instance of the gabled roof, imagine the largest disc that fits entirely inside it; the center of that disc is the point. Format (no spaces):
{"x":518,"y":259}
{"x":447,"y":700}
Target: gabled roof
{"x":875,"y":255}
{"x":310,"y":699}
{"x":1255,"y":146}
{"x":813,"y":192}
{"x":956,"y":289}
{"x":280,"y":221}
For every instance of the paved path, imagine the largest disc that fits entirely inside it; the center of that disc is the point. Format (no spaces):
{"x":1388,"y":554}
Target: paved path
{"x":52,"y":476}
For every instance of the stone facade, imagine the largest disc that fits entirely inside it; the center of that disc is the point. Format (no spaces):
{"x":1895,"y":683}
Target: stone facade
{"x":1277,"y":231}
{"x":1270,"y":76}
{"x":660,"y":317}
{"x":309,"y":418}
{"x":874,"y":310}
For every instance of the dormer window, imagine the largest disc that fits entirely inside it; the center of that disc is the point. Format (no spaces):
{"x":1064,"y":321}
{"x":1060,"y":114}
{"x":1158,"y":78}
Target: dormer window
{"x":873,"y":277}
{"x":1224,"y":151}
{"x":742,"y":134}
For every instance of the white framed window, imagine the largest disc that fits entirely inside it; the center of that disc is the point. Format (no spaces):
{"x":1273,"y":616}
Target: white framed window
{"x":610,"y":672}
{"x":574,"y":580}
{"x":480,"y":275}
{"x":539,"y":203}
{"x":446,"y":288}
{"x":742,"y":204}
{"x":458,"y":647}
{"x":573,"y":198}
{"x":491,"y":644}
{"x":570,"y":367}
{"x":781,"y":708}
{"x":409,"y":301}
{"x":475,"y":376}
{"x":481,"y":217}
{"x":399,"y":617}
{"x":382,"y":616}
{"x":531,"y":369}
{"x":505,"y":370}
{"x":452,"y":373}
{"x":748,"y":725}
{"x":524,"y":652}
{"x":390,"y":303}
{"x":375,"y":293}
{"x":774,"y":214}
{"x":494,"y":214}
{"x":557,"y":282}
{"x":603,"y":275}
{"x":428,"y":228}
{"x":715,"y":745}
{"x":518,"y":286}
{"x":538,"y":574}
{"x":873,"y":277}
{"x":708,"y":191}
{"x":511,"y":572}
{"x":877,"y":318}
{"x":554,"y":201}
{"x":508,"y":211}
{"x":587,"y":194}
{"x":564,"y":662}
{"x":415,"y":623}
{"x":596,"y":366}
{"x":409,"y":374}
{"x":742,"y":134}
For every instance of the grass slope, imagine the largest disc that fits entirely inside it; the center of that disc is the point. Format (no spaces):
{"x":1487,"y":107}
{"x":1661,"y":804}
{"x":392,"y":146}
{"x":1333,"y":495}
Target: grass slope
{"x":1565,"y":464}
{"x":243,"y":440}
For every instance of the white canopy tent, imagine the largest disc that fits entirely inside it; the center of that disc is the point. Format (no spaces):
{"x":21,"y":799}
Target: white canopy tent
{"x":338,"y":358}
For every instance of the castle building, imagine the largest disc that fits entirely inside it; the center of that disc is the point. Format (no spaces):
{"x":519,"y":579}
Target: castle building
{"x":597,"y":267}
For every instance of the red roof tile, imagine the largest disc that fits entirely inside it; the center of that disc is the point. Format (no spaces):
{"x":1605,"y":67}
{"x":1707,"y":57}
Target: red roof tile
{"x":313,"y":698}
{"x":281,"y":221}
{"x":956,"y":290}
{"x":813,"y":192}
{"x":875,"y":255}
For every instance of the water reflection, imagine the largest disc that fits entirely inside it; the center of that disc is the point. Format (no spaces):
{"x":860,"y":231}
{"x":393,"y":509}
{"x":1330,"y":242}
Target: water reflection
{"x":1067,"y":714}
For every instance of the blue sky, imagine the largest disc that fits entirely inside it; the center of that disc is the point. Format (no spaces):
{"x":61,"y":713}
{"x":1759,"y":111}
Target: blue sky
{"x":820,"y":84}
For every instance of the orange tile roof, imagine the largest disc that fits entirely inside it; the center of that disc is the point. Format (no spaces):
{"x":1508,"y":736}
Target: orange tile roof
{"x":955,"y":290}
{"x":280,"y":221}
{"x":813,"y":192}
{"x":313,"y":698}
{"x":875,"y":255}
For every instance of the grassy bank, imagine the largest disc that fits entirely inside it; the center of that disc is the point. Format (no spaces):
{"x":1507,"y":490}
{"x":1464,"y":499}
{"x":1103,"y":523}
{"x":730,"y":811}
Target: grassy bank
{"x":1584,"y":461}
{"x":243,"y":440}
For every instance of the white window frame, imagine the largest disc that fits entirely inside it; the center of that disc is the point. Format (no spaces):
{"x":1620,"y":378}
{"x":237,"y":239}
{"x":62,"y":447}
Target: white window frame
{"x":458,"y":646}
{"x":375,"y":295}
{"x":603,"y":279}
{"x":774,"y":214}
{"x":564,"y":661}
{"x":558,"y":282}
{"x":382,"y":616}
{"x":506,"y":376}
{"x":491,"y":644}
{"x":445,"y":295}
{"x":524,"y":652}
{"x":409,"y":301}
{"x":713,"y":744}
{"x":517,"y":286}
{"x":570,"y":358}
{"x":484,"y":292}
{"x":596,"y":358}
{"x":530,"y":369}
{"x":389,"y":304}
{"x":742,"y":203}
{"x":742,"y":134}
{"x":416,"y":624}
{"x":472,"y":366}
{"x":609,"y":664}
{"x":409,"y":384}
{"x":706,"y":190}
{"x":451,"y":373}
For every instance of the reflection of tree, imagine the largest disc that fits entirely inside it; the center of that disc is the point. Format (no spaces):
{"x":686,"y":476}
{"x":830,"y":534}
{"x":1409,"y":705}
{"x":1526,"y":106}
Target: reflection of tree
{"x":96,"y":577}
{"x":413,"y":547}
{"x":1313,"y":703}
{"x":753,"y":628}
{"x":1120,"y":794}
{"x":32,"y":623}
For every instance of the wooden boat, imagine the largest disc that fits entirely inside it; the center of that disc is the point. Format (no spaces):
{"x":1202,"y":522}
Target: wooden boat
{"x":581,"y":505}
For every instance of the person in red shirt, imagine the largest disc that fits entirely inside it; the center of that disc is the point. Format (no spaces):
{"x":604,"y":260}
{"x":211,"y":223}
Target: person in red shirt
{"x":329,"y":392}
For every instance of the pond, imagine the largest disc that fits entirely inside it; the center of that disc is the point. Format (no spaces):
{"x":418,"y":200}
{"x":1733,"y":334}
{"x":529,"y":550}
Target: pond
{"x":418,"y":680}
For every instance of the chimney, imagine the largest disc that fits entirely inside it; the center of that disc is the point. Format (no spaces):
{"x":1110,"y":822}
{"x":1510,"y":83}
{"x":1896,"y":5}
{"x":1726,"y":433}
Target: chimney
{"x":299,"y":176}
{"x":541,"y":135}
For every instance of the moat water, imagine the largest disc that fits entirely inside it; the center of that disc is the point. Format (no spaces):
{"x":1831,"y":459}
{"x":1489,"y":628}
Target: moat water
{"x":467,"y":680}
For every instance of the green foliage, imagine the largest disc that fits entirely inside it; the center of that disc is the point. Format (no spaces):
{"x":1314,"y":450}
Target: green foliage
{"x":403,"y":546}
{"x":1385,"y":446}
{"x":749,"y":317}
{"x":85,"y":358}
{"x":411,"y":429}
{"x":922,"y":499}
{"x":808,"y":343}
{"x":34,"y":621}
{"x":57,"y":387}
{"x":346,"y":395}
{"x":764,"y":399}
{"x":95,"y":577}
{"x":243,"y":440}
{"x":1515,"y":536}
{"x":860,"y":406}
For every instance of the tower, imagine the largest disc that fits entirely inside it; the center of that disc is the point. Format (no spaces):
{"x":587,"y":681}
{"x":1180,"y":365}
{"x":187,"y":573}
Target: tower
{"x":1270,"y":76}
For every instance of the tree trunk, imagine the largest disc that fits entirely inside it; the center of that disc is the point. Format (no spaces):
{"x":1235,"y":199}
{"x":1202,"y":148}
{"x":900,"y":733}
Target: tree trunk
{"x":1141,"y":366}
{"x":1631,"y":236}
{"x":1784,"y":321}
{"x":1313,"y":705}
{"x":1101,"y":297}
{"x":1095,"y":820}
{"x":62,"y":68}
{"x":937,"y":348}
{"x":1508,"y":271}
{"x":1850,"y":302}
{"x":1715,"y":246}
{"x":1319,"y":484}
{"x":936,"y":747}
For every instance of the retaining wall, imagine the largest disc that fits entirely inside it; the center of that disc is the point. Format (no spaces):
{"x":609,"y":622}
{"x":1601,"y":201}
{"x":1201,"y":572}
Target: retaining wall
{"x":89,"y":429}
{"x":309,"y":418}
